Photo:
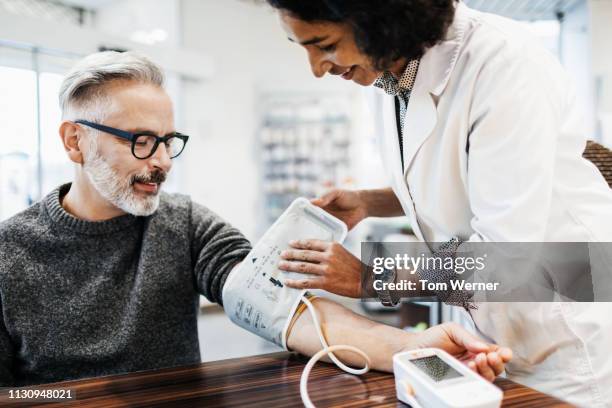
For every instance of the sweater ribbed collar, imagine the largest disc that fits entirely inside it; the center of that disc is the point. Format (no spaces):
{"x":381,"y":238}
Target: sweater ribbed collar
{"x":59,"y":216}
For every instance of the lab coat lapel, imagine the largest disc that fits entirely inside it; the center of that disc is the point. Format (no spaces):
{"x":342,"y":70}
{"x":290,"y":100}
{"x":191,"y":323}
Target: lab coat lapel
{"x":435,"y":69}
{"x":421,"y":118}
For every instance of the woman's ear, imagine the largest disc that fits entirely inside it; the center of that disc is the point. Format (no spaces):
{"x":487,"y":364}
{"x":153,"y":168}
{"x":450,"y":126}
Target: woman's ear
{"x":70,"y":133}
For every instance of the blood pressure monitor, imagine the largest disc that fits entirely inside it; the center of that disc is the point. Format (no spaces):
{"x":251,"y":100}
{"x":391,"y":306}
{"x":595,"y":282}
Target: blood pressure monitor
{"x":433,"y":378}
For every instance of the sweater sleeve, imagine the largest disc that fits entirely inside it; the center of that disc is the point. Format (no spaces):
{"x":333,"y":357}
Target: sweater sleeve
{"x":6,"y":354}
{"x":216,"y":248}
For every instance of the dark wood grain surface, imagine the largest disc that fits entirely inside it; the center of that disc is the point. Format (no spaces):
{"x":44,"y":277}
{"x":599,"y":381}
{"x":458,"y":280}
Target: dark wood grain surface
{"x":270,"y":380}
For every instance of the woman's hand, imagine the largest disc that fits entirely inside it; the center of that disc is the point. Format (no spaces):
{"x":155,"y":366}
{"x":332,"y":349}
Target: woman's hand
{"x":346,"y":205}
{"x":325,"y":265}
{"x":488,"y":360}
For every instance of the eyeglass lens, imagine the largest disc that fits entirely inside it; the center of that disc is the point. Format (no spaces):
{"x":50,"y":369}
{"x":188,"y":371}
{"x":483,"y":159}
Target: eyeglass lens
{"x":144,"y":145}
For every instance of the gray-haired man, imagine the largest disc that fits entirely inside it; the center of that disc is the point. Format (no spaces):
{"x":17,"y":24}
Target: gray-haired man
{"x":103,"y":275}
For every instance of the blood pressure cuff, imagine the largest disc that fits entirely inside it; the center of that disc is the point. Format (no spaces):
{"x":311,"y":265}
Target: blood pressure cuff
{"x":254,"y":296}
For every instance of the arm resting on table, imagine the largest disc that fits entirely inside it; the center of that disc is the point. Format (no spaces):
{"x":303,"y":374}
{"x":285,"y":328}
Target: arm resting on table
{"x":380,"y":342}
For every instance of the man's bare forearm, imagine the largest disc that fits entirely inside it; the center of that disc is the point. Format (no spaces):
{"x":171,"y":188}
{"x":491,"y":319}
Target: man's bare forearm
{"x":342,"y":326}
{"x":381,"y":203}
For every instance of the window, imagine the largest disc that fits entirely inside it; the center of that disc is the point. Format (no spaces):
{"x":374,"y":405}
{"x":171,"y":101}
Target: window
{"x":29,"y":84}
{"x":48,"y":10}
{"x":55,"y":166}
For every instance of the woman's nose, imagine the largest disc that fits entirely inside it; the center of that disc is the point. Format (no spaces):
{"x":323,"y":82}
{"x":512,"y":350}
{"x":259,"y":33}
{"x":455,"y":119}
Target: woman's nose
{"x":319,"y":65}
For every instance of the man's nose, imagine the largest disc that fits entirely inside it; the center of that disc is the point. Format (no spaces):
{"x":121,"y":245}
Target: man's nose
{"x":161,"y":158}
{"x":319,"y":65}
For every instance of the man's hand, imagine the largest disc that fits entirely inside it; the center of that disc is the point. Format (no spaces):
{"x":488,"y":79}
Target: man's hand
{"x":346,"y":205}
{"x":488,"y":360}
{"x":325,"y":265}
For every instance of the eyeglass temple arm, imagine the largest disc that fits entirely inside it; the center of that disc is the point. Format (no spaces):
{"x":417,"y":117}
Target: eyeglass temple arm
{"x":107,"y":129}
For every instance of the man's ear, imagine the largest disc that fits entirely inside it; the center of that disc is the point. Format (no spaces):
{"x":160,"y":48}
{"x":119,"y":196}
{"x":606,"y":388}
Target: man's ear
{"x":70,"y":133}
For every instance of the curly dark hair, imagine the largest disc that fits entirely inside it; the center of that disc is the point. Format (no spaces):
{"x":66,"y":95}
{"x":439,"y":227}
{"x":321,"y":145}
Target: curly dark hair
{"x":385,"y":31}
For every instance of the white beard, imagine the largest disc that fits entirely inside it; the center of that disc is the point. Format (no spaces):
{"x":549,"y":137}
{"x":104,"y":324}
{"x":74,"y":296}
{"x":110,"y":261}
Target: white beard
{"x":117,"y":190}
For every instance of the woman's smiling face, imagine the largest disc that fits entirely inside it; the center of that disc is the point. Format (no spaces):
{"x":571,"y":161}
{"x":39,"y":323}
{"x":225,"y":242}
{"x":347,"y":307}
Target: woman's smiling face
{"x":331,"y":49}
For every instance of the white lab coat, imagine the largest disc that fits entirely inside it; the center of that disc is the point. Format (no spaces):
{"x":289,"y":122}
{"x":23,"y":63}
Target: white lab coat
{"x":521,"y":180}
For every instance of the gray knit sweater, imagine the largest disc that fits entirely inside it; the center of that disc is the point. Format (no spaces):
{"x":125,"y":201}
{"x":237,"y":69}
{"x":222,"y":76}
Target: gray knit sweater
{"x":83,"y":299}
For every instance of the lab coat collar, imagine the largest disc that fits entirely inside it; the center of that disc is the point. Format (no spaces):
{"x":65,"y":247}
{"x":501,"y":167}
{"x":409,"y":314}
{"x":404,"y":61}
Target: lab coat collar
{"x":438,"y":62}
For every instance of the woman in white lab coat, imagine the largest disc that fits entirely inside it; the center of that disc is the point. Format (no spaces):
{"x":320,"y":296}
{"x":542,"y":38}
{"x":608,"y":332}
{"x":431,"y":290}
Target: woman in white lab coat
{"x":489,"y":150}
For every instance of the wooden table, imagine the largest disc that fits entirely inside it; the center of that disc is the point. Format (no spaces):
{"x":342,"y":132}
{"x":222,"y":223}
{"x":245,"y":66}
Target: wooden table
{"x":270,"y":380}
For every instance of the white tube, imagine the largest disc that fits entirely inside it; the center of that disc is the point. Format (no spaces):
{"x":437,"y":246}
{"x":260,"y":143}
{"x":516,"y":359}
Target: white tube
{"x":327,"y":350}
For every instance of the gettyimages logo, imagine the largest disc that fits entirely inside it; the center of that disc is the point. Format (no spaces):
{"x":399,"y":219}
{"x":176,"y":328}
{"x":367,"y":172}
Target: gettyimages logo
{"x":458,"y":264}
{"x":488,"y":272}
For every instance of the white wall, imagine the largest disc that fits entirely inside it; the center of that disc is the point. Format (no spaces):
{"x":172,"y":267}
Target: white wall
{"x":601,"y":22}
{"x":601,"y":31}
{"x":587,"y":54}
{"x":576,"y":56}
{"x":139,"y":19}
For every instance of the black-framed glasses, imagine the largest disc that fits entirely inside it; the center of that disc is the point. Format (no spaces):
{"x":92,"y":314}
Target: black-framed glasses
{"x":144,"y":144}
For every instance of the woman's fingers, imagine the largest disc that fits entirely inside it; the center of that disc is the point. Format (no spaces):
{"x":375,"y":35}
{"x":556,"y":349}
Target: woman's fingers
{"x":302,"y":267}
{"x":305,"y":283}
{"x":303,"y":255}
{"x":310,"y":244}
{"x":326,"y":199}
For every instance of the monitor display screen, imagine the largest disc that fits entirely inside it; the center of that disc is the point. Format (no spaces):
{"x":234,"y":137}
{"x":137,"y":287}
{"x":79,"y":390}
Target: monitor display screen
{"x":436,"y":368}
